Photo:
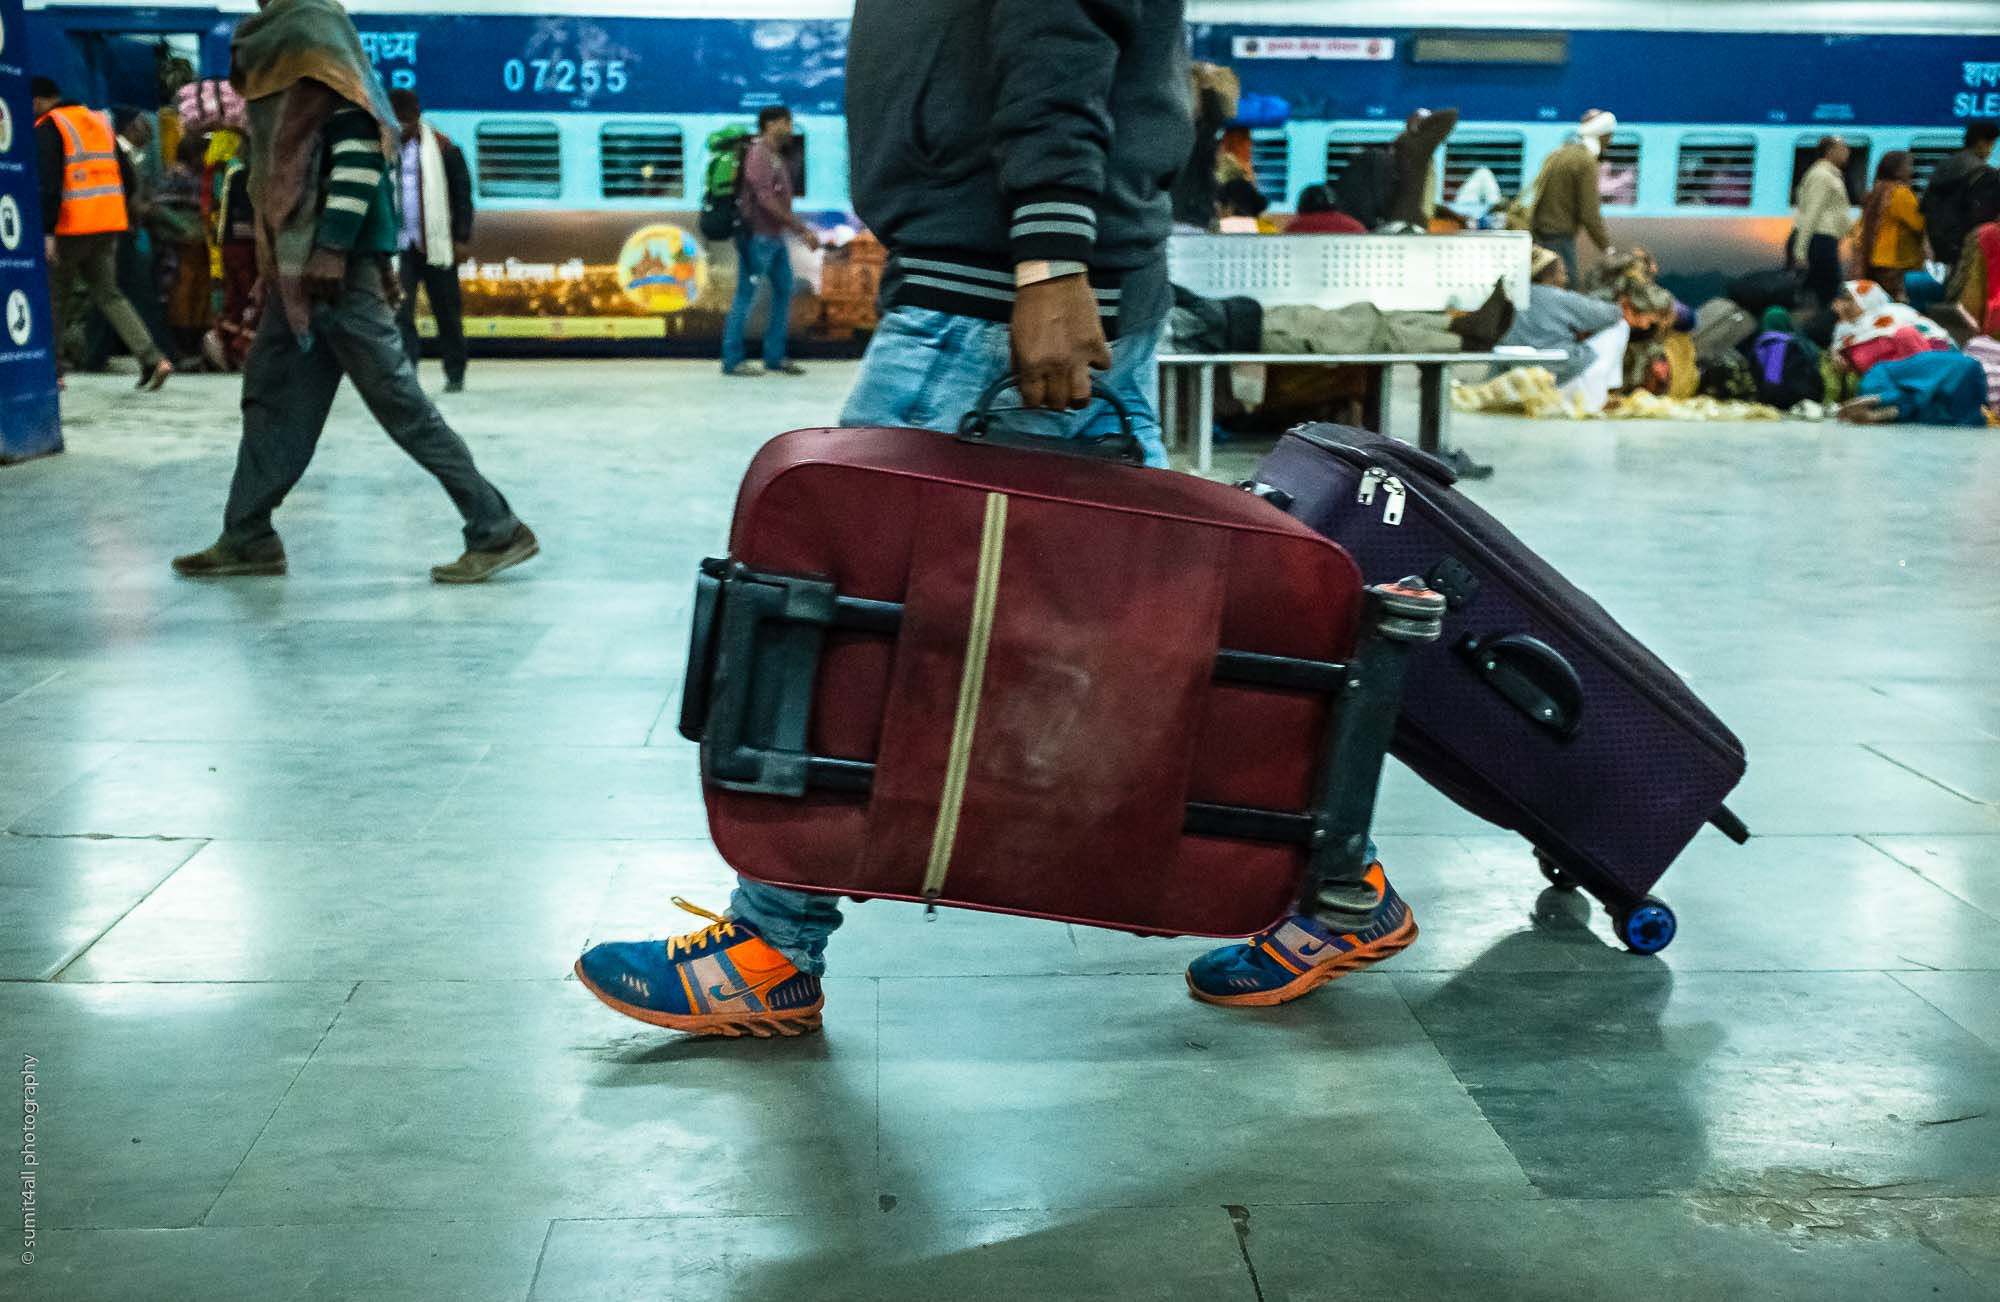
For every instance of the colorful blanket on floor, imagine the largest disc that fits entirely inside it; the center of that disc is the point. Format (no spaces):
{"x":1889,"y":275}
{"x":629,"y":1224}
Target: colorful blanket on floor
{"x":1532,"y":391}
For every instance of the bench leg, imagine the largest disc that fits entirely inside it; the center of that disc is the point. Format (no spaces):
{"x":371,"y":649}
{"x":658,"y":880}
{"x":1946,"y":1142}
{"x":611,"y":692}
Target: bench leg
{"x":1170,"y":425}
{"x":1204,"y":419}
{"x":1430,"y":408}
{"x":1430,"y":424}
{"x":1375,"y":400}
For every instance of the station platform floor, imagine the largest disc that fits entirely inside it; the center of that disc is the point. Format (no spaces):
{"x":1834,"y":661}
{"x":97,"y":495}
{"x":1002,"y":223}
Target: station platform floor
{"x":293,"y":872}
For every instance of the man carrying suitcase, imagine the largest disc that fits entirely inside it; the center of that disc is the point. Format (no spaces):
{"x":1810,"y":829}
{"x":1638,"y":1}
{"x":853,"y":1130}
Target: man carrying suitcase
{"x":1031,"y":238}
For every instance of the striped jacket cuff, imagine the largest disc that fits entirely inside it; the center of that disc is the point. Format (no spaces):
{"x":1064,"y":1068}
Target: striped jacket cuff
{"x":1052,"y":225}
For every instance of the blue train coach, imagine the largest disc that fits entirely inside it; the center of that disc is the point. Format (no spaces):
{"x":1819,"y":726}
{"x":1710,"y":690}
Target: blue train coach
{"x":586,"y":123}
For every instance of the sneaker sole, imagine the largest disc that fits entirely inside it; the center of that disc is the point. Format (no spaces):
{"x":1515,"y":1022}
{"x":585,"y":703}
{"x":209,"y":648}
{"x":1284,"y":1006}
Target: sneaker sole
{"x":1314,"y":977}
{"x":249,"y":569}
{"x":507,"y":562}
{"x":797,"y":1021}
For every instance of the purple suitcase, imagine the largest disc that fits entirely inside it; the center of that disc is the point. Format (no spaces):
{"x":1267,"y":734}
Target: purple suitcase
{"x":1535,"y":710}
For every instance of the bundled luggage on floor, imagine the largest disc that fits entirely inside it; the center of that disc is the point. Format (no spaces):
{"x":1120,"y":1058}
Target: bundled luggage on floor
{"x":1019,"y":679}
{"x":1535,"y":710}
{"x":1786,"y":368}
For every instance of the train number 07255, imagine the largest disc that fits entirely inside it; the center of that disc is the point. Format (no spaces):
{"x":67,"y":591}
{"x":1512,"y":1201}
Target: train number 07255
{"x":565,"y":76}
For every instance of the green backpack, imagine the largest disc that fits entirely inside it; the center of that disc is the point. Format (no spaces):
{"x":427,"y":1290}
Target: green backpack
{"x":726,"y":148}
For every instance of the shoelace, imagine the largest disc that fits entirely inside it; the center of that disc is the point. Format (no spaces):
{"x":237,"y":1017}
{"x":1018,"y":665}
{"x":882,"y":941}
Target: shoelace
{"x":718,"y":928}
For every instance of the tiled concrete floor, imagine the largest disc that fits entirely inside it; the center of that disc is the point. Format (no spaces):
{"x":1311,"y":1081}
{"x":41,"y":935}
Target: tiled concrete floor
{"x":294,"y":870}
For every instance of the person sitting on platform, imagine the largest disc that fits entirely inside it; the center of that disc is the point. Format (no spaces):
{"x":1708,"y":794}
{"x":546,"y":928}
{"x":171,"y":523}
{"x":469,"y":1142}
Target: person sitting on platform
{"x":1318,"y":216}
{"x":1592,"y":331}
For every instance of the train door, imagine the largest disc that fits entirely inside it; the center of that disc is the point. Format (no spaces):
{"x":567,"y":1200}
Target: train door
{"x":141,"y":69}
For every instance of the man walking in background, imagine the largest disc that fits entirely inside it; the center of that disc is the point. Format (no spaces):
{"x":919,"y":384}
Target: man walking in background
{"x":764,"y":197}
{"x":138,"y":280}
{"x":1568,"y":195}
{"x":437,"y":230}
{"x":85,"y":217}
{"x":1040,"y":249}
{"x":323,"y":141}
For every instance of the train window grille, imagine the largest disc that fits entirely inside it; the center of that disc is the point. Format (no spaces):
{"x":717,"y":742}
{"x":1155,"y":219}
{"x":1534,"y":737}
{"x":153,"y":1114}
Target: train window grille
{"x":1860,"y":172}
{"x":1716,"y":172}
{"x":1927,"y":152}
{"x":1271,"y":160}
{"x":1466,"y":152}
{"x":642,"y":161}
{"x":519,"y":160}
{"x":1618,"y":178}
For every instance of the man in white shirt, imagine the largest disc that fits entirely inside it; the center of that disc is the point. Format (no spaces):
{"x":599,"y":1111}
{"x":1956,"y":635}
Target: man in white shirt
{"x":1826,"y":210}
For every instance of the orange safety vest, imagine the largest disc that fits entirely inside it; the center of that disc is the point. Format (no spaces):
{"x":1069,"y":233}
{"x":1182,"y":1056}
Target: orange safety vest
{"x":93,"y":195}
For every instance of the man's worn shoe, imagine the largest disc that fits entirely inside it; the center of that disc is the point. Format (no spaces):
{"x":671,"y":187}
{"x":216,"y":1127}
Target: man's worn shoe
{"x":478,"y":566}
{"x":454,"y":386}
{"x":225,"y":560}
{"x":1299,"y":955}
{"x":721,"y":980}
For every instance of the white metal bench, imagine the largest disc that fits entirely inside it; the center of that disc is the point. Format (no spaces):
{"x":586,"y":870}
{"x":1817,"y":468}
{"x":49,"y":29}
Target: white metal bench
{"x":1397,"y":273}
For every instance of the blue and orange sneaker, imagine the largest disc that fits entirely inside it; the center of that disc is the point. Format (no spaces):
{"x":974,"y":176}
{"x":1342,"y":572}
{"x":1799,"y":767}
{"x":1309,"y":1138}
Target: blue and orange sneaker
{"x":1299,"y":955}
{"x":721,"y":980}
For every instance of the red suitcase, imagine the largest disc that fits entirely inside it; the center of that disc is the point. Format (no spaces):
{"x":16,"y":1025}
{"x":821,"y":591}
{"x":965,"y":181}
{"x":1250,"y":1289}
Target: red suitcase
{"x":936,"y":668}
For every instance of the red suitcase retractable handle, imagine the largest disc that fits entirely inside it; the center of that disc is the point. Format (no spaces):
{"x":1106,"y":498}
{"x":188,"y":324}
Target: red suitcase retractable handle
{"x":754,"y":659}
{"x":1394,"y":618}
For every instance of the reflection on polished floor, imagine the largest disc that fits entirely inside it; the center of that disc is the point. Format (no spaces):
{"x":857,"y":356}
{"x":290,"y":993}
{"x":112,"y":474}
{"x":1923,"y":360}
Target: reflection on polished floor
{"x":293,"y":872}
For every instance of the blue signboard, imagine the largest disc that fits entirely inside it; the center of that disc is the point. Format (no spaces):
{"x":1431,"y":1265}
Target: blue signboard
{"x":30,"y":418}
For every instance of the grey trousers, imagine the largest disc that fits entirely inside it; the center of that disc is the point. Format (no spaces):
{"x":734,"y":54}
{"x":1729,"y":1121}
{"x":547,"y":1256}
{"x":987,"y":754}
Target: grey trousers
{"x":1564,"y":246}
{"x":288,"y":391}
{"x":93,"y":259}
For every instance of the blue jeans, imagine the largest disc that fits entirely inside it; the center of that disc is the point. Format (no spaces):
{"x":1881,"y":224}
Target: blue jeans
{"x":765,"y":258}
{"x":924,"y":370}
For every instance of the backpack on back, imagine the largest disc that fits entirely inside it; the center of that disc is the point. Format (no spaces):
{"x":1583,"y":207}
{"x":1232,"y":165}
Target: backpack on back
{"x":726,"y":148}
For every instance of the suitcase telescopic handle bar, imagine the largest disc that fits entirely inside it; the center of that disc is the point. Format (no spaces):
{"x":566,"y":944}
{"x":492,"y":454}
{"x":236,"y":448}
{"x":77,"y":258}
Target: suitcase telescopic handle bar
{"x":753,"y":664}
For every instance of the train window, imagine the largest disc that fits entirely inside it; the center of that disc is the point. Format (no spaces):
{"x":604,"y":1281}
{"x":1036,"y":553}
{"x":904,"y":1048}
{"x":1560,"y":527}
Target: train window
{"x":643,"y":161}
{"x":519,"y":160}
{"x":1271,"y":160}
{"x":1928,"y":152}
{"x":1618,"y":178}
{"x":1468,"y":151}
{"x":1715,"y":171}
{"x":1859,"y":175}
